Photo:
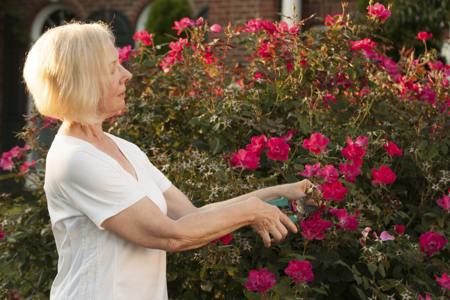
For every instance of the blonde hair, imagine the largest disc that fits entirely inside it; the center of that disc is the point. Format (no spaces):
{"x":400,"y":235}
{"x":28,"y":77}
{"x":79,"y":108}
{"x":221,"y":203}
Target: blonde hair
{"x":65,"y":71}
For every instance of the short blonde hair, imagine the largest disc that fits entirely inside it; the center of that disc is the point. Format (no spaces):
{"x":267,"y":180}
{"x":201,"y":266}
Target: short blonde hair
{"x":65,"y":71}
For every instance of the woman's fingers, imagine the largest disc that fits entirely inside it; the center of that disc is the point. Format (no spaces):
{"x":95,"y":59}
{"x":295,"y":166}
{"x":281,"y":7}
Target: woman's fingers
{"x":282,"y":230}
{"x":288,"y":223}
{"x":277,"y":236}
{"x":265,"y":237}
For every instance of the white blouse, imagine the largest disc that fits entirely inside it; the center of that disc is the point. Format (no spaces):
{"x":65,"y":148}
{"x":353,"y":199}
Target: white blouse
{"x":84,"y":186}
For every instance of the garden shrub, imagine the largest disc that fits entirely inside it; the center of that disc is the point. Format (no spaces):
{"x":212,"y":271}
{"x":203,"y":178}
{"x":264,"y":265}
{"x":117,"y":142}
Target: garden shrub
{"x":370,"y":132}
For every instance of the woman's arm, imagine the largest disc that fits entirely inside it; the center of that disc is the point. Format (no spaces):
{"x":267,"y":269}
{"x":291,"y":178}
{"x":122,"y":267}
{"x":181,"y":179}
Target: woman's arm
{"x":179,"y":204}
{"x":145,"y":225}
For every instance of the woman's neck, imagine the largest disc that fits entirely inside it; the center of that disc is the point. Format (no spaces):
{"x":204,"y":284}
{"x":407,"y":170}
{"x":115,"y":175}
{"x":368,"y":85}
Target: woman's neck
{"x":91,"y":132}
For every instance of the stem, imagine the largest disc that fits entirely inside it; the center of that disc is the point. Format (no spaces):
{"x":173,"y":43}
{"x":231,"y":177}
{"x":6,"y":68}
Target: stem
{"x":305,"y":246}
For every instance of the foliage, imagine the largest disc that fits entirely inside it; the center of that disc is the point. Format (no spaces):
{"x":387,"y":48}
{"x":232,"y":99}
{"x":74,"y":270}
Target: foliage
{"x":162,"y":15}
{"x":410,"y":17}
{"x":191,"y":112}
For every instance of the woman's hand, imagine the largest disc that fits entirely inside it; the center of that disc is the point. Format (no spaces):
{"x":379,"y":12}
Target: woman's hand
{"x":271,"y":223}
{"x":297,"y":190}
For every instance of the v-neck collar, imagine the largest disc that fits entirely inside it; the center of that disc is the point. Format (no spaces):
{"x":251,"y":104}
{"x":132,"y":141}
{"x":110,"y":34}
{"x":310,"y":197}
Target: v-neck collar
{"x":106,"y":154}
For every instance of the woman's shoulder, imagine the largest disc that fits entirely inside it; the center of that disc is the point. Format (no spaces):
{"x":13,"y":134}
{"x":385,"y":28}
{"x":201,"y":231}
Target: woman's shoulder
{"x":67,"y":152}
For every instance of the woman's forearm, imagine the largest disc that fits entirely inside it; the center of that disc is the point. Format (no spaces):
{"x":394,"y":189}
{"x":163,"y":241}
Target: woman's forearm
{"x":198,"y":228}
{"x":264,"y":194}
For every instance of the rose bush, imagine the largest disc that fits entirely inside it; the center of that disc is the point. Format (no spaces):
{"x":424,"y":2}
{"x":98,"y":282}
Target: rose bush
{"x":262,"y":103}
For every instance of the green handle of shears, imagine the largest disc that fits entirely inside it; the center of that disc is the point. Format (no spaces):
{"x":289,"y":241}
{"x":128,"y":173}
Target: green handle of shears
{"x":283,"y":202}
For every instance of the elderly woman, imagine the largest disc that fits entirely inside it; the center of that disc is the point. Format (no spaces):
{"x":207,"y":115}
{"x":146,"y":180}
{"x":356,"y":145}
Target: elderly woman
{"x":113,"y":213}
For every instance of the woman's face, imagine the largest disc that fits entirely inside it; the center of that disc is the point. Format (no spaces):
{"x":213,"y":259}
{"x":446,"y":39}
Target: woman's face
{"x":114,"y":101}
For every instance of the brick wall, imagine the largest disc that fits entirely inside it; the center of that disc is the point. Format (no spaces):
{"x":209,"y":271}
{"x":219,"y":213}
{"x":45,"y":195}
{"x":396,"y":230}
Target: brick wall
{"x":323,"y":7}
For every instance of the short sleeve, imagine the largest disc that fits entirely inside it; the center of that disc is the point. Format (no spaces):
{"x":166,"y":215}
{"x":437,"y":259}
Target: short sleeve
{"x":160,"y":179}
{"x":97,"y":187}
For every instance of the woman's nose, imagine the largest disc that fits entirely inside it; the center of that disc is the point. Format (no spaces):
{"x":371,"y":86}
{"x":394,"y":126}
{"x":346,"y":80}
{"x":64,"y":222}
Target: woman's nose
{"x":126,"y":75}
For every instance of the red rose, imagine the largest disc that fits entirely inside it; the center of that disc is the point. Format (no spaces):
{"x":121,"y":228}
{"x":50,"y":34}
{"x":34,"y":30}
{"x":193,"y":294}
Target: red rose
{"x":144,"y":37}
{"x":313,"y":228}
{"x":310,"y":170}
{"x":299,"y":271}
{"x":245,"y":159}
{"x":257,"y":144}
{"x":316,"y":143}
{"x":260,"y":280}
{"x":278,"y":149}
{"x":350,"y":171}
{"x":444,"y":281}
{"x":399,"y":228}
{"x":364,"y":44}
{"x":392,"y":149}
{"x":355,"y":151}
{"x":383,"y":175}
{"x":346,"y":221}
{"x":329,"y":173}
{"x":225,"y":240}
{"x":444,"y":202}
{"x":423,"y":36}
{"x":431,"y":242}
{"x":333,"y":191}
{"x":124,"y":53}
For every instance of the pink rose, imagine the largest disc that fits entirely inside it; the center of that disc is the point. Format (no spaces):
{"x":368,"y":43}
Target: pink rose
{"x":362,"y":141}
{"x":278,"y":149}
{"x":329,"y":173}
{"x":383,"y":175}
{"x":379,"y":11}
{"x":245,"y":159}
{"x":289,"y":135}
{"x":399,"y":228}
{"x":392,"y":149}
{"x":346,"y":221}
{"x":364,"y":44}
{"x":299,"y":271}
{"x":316,"y":143}
{"x":124,"y":53}
{"x":333,"y":191}
{"x":257,"y":144}
{"x":350,"y":171}
{"x":436,"y":65}
{"x":427,"y":297}
{"x":25,"y":166}
{"x":431,"y":242}
{"x":6,"y":162}
{"x":423,"y":36}
{"x":310,"y":170}
{"x":2,"y":233}
{"x":144,"y":37}
{"x":313,"y":228}
{"x":260,"y":280}
{"x":444,"y":281}
{"x":216,"y":28}
{"x":333,"y":20}
{"x":199,"y":21}
{"x":386,"y":236}
{"x":444,"y":202}
{"x":284,"y":27}
{"x":428,"y":95}
{"x":179,"y":26}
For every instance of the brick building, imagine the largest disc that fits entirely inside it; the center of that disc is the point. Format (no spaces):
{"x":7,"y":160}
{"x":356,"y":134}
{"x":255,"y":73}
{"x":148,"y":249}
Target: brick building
{"x":23,"y":21}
